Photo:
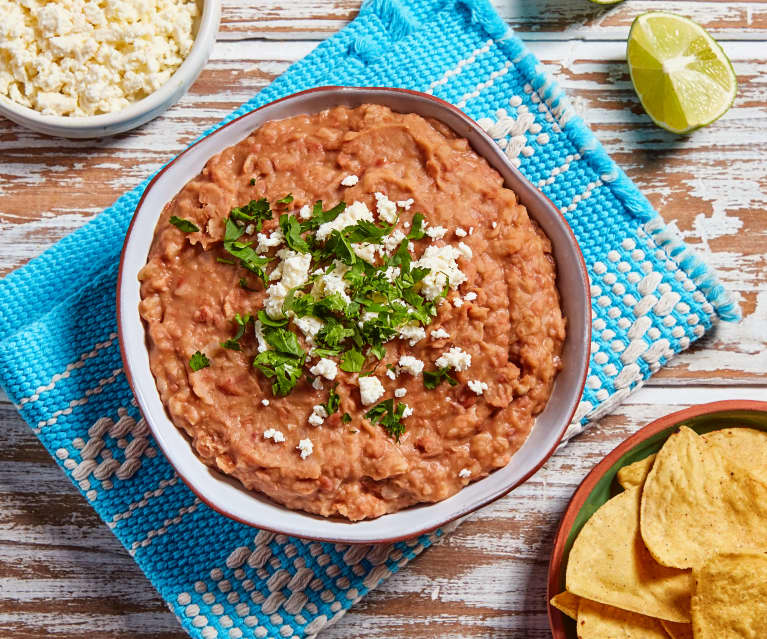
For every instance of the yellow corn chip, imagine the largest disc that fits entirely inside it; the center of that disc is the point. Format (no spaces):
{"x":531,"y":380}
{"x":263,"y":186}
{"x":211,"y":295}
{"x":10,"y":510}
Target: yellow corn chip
{"x":746,"y":446}
{"x":597,"y":621}
{"x":609,"y":563}
{"x":697,"y":502}
{"x":677,"y":630}
{"x":567,"y":603}
{"x":635,"y":474}
{"x":730,"y":597}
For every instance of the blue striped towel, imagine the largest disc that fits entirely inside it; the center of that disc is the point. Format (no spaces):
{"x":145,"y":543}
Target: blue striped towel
{"x":60,"y":364}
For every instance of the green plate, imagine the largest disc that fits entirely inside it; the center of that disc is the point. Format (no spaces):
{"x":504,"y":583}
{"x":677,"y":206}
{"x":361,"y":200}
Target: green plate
{"x":600,"y":484}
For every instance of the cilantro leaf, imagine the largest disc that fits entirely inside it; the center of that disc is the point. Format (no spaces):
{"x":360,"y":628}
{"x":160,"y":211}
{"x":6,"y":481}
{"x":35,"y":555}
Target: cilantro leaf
{"x":432,"y":379}
{"x":268,"y":321}
{"x":338,"y":246}
{"x":378,"y":350}
{"x":185,"y":225}
{"x":352,"y":361}
{"x":283,"y":341}
{"x":284,"y":369}
{"x":285,"y":200}
{"x":257,"y":211}
{"x":291,"y":229}
{"x":416,"y":232}
{"x":233,"y":343}
{"x":346,"y":418}
{"x":334,"y":401}
{"x":252,"y":181}
{"x":365,"y":231}
{"x":389,"y":417}
{"x":198,"y":361}
{"x":243,"y":251}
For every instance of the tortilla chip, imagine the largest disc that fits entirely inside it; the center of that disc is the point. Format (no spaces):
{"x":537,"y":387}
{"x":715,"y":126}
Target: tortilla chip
{"x":609,"y":563}
{"x":677,"y":630}
{"x":567,"y":603}
{"x":597,"y":621}
{"x":635,"y":474}
{"x":730,"y":597}
{"x":746,"y":446}
{"x":697,"y":502}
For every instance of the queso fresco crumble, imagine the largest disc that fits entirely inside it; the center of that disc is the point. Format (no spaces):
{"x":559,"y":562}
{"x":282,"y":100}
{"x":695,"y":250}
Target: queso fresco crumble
{"x":318,"y":265}
{"x":88,"y":57}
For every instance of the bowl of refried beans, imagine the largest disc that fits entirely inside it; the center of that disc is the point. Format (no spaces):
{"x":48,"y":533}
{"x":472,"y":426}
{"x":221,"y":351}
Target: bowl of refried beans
{"x":346,"y":316}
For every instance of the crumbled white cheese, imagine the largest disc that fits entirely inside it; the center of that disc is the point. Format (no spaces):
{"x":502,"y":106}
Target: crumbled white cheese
{"x":265,"y":242}
{"x":407,"y":412}
{"x":477,"y":386}
{"x":441,"y":261}
{"x":259,"y":332}
{"x":465,"y":250}
{"x":309,"y":326}
{"x":413,"y":332}
{"x":265,"y":402}
{"x":317,"y":384}
{"x":471,"y":230}
{"x":400,"y":392}
{"x":294,"y":271}
{"x":392,"y":273}
{"x":250,"y":228}
{"x":274,"y":434}
{"x":460,"y":232}
{"x":305,"y":212}
{"x":75,"y":58}
{"x":392,"y":241}
{"x":371,"y":389}
{"x":306,"y":447}
{"x":333,"y":282}
{"x":387,"y":210}
{"x":350,"y":180}
{"x":411,"y":365}
{"x":439,"y":333}
{"x":465,"y":472}
{"x":352,"y":214}
{"x":366,"y":251}
{"x":455,"y":358}
{"x":406,"y":204}
{"x":494,"y":224}
{"x":391,"y":374}
{"x":326,"y":368}
{"x":436,"y":232}
{"x":458,"y":302}
{"x":318,"y":415}
{"x":470,"y":296}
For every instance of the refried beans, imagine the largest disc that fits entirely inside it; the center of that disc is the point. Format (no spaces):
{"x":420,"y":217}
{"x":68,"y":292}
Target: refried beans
{"x":491,"y":348}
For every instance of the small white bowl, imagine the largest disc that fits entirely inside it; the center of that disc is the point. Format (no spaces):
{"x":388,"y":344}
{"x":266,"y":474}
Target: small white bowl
{"x":97,"y":126}
{"x":227,"y":495}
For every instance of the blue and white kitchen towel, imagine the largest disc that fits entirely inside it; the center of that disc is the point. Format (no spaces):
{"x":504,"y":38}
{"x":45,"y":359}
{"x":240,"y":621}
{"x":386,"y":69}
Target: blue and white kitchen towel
{"x":60,"y":363}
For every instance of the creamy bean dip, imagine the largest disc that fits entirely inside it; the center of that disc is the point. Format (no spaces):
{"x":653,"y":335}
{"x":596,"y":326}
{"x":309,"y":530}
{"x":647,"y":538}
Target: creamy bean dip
{"x":349,"y":313}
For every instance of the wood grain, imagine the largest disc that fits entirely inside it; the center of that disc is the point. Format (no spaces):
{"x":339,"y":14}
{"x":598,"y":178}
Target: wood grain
{"x":63,"y":574}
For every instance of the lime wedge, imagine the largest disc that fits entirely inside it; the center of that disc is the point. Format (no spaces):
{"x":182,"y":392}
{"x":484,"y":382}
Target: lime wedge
{"x":682,"y":76}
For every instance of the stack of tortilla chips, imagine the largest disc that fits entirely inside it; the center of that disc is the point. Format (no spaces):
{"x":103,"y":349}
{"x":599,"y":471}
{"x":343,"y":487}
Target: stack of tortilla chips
{"x":682,"y":551}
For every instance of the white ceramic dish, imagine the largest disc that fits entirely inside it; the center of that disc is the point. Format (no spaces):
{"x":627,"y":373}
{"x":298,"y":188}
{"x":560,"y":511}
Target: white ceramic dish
{"x":227,"y":495}
{"x":97,"y":126}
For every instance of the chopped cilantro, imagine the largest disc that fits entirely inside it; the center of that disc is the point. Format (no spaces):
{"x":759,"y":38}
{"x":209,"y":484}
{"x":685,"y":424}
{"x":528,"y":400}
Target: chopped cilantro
{"x":243,"y":250}
{"x":256,"y":211}
{"x":389,"y":417}
{"x":268,"y":321}
{"x":321,"y":217}
{"x":233,"y":343}
{"x":283,"y":341}
{"x":291,"y":229}
{"x":184,"y":225}
{"x":334,"y":401}
{"x":346,"y":418}
{"x":223,"y":260}
{"x":252,"y":181}
{"x":198,"y":361}
{"x":286,"y":200}
{"x":284,"y":369}
{"x":378,"y":350}
{"x":432,"y":379}
{"x":416,"y":231}
{"x":352,"y":361}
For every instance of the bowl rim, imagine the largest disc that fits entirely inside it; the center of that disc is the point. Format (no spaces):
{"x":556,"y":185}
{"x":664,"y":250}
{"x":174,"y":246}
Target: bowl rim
{"x":187,"y":71}
{"x":581,"y":494}
{"x":464,"y":511}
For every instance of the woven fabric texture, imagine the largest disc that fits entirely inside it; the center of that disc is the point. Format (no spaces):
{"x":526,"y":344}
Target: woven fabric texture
{"x":60,"y":362}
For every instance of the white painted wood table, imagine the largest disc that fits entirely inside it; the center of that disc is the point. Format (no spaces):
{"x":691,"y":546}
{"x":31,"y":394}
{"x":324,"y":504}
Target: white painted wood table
{"x":62,"y":574}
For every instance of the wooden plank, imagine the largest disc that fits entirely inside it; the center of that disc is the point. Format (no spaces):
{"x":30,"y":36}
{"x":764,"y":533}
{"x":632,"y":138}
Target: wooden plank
{"x":533,"y":19}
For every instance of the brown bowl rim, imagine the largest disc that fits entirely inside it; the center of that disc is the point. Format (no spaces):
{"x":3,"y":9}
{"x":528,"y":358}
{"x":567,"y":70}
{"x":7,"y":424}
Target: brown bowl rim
{"x":556,"y":617}
{"x":472,"y":507}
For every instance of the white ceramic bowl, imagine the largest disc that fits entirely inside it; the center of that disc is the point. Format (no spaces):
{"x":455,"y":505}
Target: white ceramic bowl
{"x":227,"y":495}
{"x":97,"y":126}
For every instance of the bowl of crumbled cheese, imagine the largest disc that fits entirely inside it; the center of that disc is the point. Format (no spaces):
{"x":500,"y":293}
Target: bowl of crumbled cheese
{"x":92,"y":68}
